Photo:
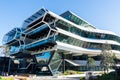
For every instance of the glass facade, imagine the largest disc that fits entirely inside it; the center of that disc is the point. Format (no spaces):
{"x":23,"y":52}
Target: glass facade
{"x":55,"y":62}
{"x":75,"y":19}
{"x":43,"y":58}
{"x":12,"y":35}
{"x":70,"y":40}
{"x":92,"y":35}
{"x":34,"y":19}
{"x":36,"y":42}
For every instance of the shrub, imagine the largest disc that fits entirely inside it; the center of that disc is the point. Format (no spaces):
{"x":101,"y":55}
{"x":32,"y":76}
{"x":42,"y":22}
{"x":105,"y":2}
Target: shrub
{"x":70,"y":72}
{"x":0,"y":78}
{"x":7,"y":78}
{"x":82,"y":78}
{"x":110,"y":76}
{"x":78,"y":72}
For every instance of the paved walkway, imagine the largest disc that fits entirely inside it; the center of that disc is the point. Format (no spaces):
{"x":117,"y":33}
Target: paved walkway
{"x":34,"y":77}
{"x":54,"y":78}
{"x":62,"y":77}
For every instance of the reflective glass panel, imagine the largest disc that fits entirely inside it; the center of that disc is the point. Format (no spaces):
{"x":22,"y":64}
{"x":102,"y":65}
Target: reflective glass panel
{"x":93,"y":35}
{"x":73,"y":41}
{"x":56,"y":61}
{"x":43,"y":58}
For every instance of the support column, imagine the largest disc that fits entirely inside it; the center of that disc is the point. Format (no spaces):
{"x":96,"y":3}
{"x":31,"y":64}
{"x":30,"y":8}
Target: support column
{"x":9,"y":66}
{"x":63,"y":58}
{"x":3,"y":69}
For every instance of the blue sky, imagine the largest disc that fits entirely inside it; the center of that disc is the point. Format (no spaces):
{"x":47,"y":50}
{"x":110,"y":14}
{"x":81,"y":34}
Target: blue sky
{"x":104,"y":14}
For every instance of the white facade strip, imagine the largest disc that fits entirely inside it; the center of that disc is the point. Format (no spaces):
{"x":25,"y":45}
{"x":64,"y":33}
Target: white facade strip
{"x":79,"y":51}
{"x":87,"y":39}
{"x":81,"y":27}
{"x":75,"y":49}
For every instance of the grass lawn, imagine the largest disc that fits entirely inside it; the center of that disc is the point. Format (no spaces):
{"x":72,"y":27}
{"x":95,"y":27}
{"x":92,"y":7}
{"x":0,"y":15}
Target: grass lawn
{"x":70,"y":72}
{"x":6,"y":78}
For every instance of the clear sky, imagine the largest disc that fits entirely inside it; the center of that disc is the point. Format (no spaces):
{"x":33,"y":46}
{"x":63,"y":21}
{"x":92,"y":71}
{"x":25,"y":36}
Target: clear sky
{"x":104,"y":14}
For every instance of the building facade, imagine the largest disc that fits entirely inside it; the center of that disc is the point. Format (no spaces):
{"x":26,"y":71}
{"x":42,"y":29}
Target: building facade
{"x":50,"y":44}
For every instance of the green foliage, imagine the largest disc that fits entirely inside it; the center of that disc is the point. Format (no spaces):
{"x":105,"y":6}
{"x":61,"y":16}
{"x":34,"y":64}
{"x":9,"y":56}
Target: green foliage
{"x":90,"y":63}
{"x":6,"y":78}
{"x":70,"y":72}
{"x":0,"y":78}
{"x":110,"y":76}
{"x":107,"y":57}
{"x":82,"y":78}
{"x":78,"y":72}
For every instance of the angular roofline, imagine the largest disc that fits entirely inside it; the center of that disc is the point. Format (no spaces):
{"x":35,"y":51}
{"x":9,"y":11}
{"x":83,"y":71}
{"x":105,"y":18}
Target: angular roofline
{"x":78,"y":26}
{"x":79,"y":18}
{"x":35,"y":13}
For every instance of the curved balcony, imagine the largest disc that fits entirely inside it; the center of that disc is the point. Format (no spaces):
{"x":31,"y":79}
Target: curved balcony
{"x":75,"y":50}
{"x":102,"y":41}
{"x":37,"y":30}
{"x":76,"y":41}
{"x":12,"y":36}
{"x":34,"y":19}
{"x":41,"y":33}
{"x":101,"y":34}
{"x":39,"y":42}
{"x":86,"y":34}
{"x":37,"y":34}
{"x":80,"y":27}
{"x":76,"y":19}
{"x":36,"y":44}
{"x":16,"y":47}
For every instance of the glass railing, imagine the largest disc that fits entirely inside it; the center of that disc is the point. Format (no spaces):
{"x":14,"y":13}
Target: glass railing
{"x":39,"y":42}
{"x":40,"y":28}
{"x":34,"y":19}
{"x":12,"y":35}
{"x":87,"y":34}
{"x":14,"y":49}
{"x":76,"y":42}
{"x":36,"y":44}
{"x":75,"y":19}
{"x":43,"y":58}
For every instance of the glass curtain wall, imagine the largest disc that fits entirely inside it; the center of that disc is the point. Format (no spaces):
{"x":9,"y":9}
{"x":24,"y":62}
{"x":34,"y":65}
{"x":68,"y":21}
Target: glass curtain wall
{"x":34,"y":19}
{"x":12,"y":35}
{"x":55,"y":62}
{"x":75,"y":19}
{"x":66,"y":26}
{"x":70,"y":40}
{"x":43,"y":58}
{"x":39,"y":33}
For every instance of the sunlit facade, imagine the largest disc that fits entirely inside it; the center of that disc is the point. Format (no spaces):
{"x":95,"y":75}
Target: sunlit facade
{"x":50,"y":44}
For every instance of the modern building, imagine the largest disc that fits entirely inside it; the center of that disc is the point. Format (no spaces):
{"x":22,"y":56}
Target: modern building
{"x":49,"y":44}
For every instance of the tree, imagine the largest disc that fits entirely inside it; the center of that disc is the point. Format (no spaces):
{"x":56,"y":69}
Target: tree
{"x":90,"y":64}
{"x":4,"y":50}
{"x":107,"y":57}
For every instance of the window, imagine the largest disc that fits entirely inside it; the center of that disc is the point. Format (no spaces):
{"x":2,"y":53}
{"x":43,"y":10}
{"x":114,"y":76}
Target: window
{"x":43,"y":58}
{"x":70,"y":40}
